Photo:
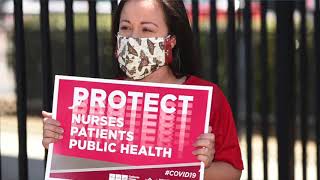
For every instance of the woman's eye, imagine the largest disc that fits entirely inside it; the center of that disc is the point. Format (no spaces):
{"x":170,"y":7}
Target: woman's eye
{"x":124,"y":27}
{"x":147,"y":30}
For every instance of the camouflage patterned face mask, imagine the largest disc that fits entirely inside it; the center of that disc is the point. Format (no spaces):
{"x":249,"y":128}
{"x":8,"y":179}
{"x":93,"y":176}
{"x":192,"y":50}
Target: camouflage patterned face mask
{"x":139,"y":57}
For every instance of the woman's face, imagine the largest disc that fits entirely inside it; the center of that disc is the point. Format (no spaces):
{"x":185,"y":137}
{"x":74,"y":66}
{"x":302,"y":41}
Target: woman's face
{"x":142,"y":18}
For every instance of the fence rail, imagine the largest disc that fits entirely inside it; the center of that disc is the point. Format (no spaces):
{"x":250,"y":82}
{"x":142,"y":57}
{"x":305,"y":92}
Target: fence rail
{"x":264,"y":87}
{"x":317,"y":57}
{"x":21,"y":91}
{"x":286,"y":70}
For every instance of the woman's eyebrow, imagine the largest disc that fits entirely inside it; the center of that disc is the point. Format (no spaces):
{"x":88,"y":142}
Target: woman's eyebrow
{"x":147,"y":22}
{"x":124,"y":20}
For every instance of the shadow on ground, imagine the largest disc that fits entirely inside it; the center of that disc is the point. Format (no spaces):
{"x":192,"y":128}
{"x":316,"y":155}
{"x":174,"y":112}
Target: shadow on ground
{"x":10,"y":170}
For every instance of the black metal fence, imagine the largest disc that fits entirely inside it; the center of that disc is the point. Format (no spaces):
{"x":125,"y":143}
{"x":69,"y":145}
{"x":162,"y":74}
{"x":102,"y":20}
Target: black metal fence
{"x":291,"y":84}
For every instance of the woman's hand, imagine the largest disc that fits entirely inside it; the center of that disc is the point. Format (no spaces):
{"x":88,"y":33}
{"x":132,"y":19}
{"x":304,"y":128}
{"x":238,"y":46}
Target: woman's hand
{"x":52,"y":132}
{"x":205,"y":145}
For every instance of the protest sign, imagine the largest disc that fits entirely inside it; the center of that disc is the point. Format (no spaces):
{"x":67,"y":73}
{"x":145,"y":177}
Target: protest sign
{"x":117,"y":129}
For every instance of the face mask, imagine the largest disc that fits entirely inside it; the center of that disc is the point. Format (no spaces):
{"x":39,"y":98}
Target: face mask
{"x":139,"y":57}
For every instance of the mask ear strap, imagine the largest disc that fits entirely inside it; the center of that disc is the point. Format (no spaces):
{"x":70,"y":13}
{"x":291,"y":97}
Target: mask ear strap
{"x":168,"y":50}
{"x":116,"y":53}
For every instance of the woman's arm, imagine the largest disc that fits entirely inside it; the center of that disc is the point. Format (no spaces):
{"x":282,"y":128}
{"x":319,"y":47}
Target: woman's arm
{"x":221,"y":171}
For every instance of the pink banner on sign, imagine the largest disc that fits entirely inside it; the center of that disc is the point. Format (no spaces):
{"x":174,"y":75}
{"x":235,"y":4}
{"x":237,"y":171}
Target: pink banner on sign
{"x":191,"y":172}
{"x":127,"y":123}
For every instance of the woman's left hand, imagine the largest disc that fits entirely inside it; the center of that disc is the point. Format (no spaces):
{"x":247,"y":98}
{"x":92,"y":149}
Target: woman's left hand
{"x":205,"y":145}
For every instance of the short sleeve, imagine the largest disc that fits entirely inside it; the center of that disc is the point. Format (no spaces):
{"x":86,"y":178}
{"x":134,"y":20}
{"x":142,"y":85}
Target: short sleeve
{"x":226,"y":140}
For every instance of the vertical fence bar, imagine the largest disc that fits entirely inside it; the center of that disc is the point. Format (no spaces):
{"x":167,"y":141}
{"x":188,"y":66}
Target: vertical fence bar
{"x":264,"y":87}
{"x":232,"y":60}
{"x":304,"y":90}
{"x":46,"y":59}
{"x":195,"y":19}
{"x":248,"y":59}
{"x":285,"y":89}
{"x":46,"y":56}
{"x":21,"y":89}
{"x":317,"y":59}
{"x":71,"y":69}
{"x":214,"y":41}
{"x":195,"y":29}
{"x":93,"y":39}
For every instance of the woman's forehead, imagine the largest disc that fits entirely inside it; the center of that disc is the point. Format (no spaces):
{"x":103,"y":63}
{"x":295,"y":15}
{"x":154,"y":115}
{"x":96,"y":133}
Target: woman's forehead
{"x":142,"y":10}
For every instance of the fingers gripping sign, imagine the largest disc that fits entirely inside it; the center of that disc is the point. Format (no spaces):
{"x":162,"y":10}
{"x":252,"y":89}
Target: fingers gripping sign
{"x":205,"y":148}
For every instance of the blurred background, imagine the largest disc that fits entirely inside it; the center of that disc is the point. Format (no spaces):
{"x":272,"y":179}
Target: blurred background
{"x":265,"y":55}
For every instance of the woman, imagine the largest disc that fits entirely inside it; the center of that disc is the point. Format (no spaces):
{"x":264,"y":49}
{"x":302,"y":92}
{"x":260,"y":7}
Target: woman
{"x":153,"y":43}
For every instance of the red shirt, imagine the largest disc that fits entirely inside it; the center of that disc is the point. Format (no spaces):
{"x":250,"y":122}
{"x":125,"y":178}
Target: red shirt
{"x":221,"y":120}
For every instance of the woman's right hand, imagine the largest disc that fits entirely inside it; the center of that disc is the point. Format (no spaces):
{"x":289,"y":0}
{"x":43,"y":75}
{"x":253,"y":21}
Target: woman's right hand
{"x":52,"y":132}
